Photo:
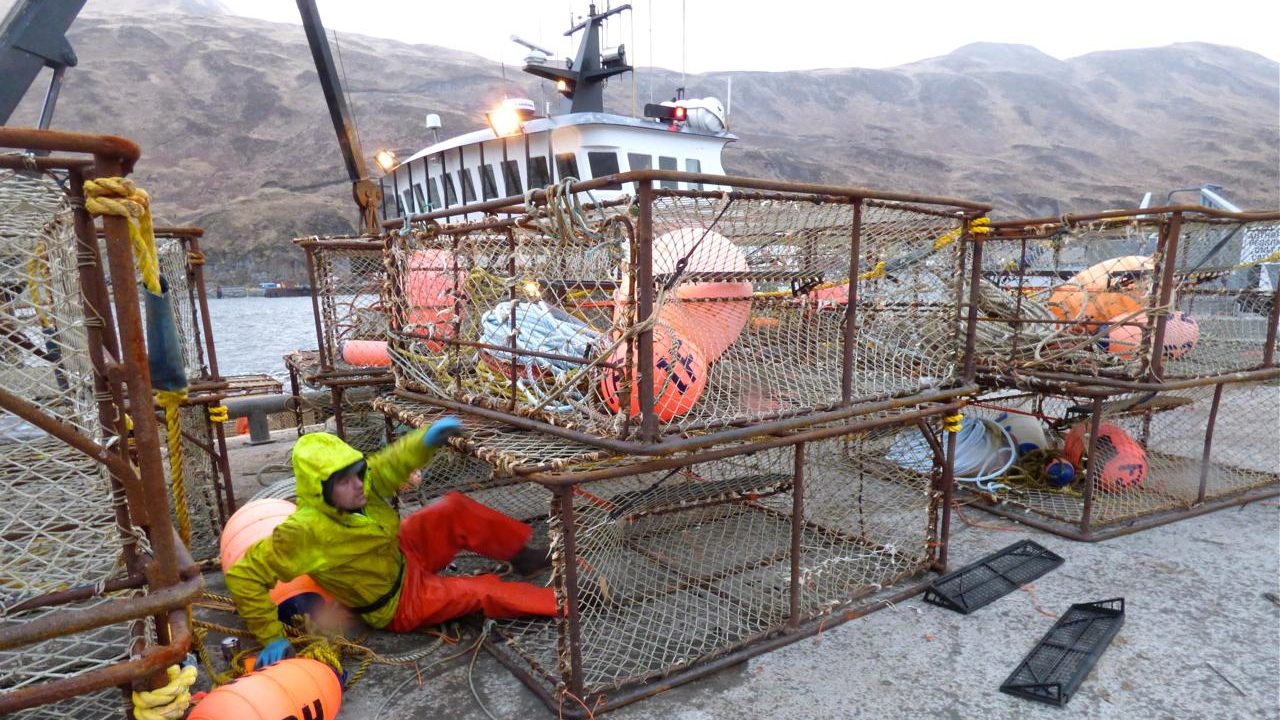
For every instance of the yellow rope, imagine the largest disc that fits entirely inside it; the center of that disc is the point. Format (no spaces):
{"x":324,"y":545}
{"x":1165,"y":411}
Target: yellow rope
{"x":219,"y":414}
{"x":953,"y":423}
{"x":1273,"y":257}
{"x":977,"y":226}
{"x":169,"y":702}
{"x":874,"y":273}
{"x":171,"y":400}
{"x":38,"y":277}
{"x":122,"y":198}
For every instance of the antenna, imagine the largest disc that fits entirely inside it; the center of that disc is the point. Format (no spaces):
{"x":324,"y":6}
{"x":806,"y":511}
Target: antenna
{"x":531,"y":46}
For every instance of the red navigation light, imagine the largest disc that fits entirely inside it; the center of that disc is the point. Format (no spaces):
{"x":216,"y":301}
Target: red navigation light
{"x":680,"y":112}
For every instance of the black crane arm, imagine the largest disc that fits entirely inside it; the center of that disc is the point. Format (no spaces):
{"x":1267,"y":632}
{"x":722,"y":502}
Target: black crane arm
{"x":33,"y":37}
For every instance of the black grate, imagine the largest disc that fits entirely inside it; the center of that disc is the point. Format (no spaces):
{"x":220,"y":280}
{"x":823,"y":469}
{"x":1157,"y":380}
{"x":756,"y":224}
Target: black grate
{"x":1056,"y":666}
{"x":992,"y":577}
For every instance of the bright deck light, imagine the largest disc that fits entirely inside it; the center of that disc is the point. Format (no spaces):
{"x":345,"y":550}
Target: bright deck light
{"x":386,"y":160}
{"x":505,"y":120}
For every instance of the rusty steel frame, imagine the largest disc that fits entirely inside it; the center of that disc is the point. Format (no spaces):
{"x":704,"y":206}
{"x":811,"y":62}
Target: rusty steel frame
{"x":1084,"y":529}
{"x":794,"y":627}
{"x":122,"y":379}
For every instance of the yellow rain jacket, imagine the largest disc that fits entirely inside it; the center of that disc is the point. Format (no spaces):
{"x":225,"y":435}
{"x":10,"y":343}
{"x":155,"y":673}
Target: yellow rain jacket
{"x":355,"y":557}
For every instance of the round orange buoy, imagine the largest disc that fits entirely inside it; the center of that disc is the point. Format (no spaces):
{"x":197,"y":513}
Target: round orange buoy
{"x":1123,"y":461}
{"x":709,"y":313}
{"x":366,"y":353}
{"x":679,"y":376}
{"x":252,"y":522}
{"x":1069,"y":305}
{"x":431,"y":287}
{"x":294,"y":688}
{"x":1181,"y":333}
{"x":1113,"y":274}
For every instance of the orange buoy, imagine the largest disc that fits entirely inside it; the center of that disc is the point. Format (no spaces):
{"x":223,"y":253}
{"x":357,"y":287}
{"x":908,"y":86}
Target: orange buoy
{"x":709,"y":313}
{"x":1181,"y":333}
{"x":1123,"y":461}
{"x":252,"y":522}
{"x":295,"y":688}
{"x":431,"y":289}
{"x":679,"y":376}
{"x":366,"y":353}
{"x":1069,"y":304}
{"x":1113,"y":274}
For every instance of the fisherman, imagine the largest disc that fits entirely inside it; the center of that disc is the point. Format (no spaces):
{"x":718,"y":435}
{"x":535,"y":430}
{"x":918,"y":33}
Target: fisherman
{"x":351,"y":542}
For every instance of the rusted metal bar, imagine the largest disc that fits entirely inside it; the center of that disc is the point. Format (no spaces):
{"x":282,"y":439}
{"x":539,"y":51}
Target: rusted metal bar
{"x":948,"y":495}
{"x":32,"y":413}
{"x":152,"y":660}
{"x":797,"y":533}
{"x":326,"y":362}
{"x":573,"y":616}
{"x":203,"y":296}
{"x":371,"y":244}
{"x":1068,"y":382}
{"x":1070,"y":220}
{"x":970,"y":360}
{"x":511,"y":296}
{"x":163,"y":572}
{"x":851,"y":306}
{"x":1094,"y":469}
{"x":57,"y":162}
{"x":1169,"y":260}
{"x":1208,"y":442}
{"x":124,"y":152}
{"x":1273,"y":322}
{"x":643,"y":372}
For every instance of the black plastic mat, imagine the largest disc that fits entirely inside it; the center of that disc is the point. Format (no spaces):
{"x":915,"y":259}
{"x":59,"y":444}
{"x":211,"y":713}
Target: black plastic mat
{"x":1055,"y":667}
{"x":992,"y":577}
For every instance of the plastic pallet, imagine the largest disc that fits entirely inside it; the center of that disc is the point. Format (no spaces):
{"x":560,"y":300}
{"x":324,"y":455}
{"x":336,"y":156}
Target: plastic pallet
{"x":1055,"y":667}
{"x":991,"y":578}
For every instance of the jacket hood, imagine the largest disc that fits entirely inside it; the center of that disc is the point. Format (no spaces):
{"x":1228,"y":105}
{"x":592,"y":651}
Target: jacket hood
{"x":316,"y":456}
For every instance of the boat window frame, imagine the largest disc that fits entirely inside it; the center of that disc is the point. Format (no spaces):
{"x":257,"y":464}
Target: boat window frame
{"x":510,"y":172}
{"x":693,"y":165}
{"x":567,"y":162}
{"x":666,"y":162}
{"x":544,"y":170}
{"x":408,"y":199}
{"x":450,"y":191}
{"x":433,"y":193}
{"x":468,"y":185}
{"x":488,"y":182}
{"x":612,"y":155}
{"x":418,"y":195}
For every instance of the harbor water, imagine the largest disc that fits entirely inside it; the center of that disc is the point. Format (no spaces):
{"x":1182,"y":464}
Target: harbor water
{"x":253,"y":334}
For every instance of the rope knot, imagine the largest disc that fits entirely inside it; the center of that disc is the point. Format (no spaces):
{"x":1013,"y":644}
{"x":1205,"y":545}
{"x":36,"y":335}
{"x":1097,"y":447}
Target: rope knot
{"x":953,"y":423}
{"x":219,"y":414}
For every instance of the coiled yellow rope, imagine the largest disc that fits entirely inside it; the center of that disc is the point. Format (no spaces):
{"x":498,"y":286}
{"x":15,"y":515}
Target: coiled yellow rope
{"x":219,"y":414}
{"x":953,"y":423}
{"x":122,"y":198}
{"x":169,"y":702}
{"x":171,"y":400}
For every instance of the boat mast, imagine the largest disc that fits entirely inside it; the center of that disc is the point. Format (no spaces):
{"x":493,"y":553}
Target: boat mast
{"x":582,"y":83}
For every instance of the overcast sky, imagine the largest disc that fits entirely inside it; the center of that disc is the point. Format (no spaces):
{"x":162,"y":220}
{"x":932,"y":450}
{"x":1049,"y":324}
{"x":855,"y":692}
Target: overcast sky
{"x":705,"y":35}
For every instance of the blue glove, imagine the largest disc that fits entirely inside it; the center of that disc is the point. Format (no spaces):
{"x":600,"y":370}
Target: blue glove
{"x":441,"y":430}
{"x":274,"y":652}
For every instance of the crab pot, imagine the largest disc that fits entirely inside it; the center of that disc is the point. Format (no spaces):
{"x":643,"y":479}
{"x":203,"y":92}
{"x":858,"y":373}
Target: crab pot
{"x":84,"y":610}
{"x":346,"y":276}
{"x":335,"y":404}
{"x":1143,"y":456}
{"x":1166,"y":294}
{"x":671,"y":568}
{"x":680,"y":312}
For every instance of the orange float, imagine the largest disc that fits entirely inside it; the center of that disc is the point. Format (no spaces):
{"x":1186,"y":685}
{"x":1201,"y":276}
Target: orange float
{"x":1069,"y":305}
{"x":711,"y":314}
{"x":294,"y":688}
{"x":431,"y":288}
{"x":252,"y":522}
{"x":1181,"y":333}
{"x":1109,"y":275}
{"x":366,"y":353}
{"x":679,"y":377}
{"x":1123,"y":461}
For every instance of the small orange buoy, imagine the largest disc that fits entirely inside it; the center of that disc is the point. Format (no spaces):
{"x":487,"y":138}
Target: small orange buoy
{"x":252,"y":522}
{"x":1069,"y":304}
{"x":679,"y":377}
{"x":1123,"y":461}
{"x":1181,"y":333}
{"x":1114,"y":274}
{"x":298,"y":688}
{"x":366,"y":353}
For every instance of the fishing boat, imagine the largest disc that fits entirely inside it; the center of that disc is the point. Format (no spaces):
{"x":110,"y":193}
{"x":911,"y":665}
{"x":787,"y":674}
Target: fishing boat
{"x":522,"y":149}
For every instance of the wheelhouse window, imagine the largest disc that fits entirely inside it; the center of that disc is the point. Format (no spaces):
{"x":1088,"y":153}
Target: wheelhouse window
{"x":422,"y":201}
{"x":602,"y":164}
{"x":638,"y":161}
{"x":433,"y":193}
{"x":488,"y":186}
{"x":511,"y":176}
{"x":667,"y":163}
{"x":567,"y":166}
{"x":538,"y":174}
{"x":408,"y":199}
{"x":468,"y":185}
{"x":450,"y":193}
{"x":694,"y":166}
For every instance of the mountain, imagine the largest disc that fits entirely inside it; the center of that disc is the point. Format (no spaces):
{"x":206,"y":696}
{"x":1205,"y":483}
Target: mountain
{"x":236,"y":137}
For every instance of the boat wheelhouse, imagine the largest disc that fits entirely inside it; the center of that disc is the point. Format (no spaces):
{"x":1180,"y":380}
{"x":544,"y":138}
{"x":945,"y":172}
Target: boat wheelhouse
{"x":519,"y":151}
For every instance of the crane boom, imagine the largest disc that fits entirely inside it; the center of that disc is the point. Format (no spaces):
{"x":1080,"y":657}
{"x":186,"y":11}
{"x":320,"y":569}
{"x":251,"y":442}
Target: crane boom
{"x":33,"y":36}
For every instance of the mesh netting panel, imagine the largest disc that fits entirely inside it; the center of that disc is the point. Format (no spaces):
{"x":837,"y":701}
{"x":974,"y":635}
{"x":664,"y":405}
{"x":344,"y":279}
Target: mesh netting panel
{"x":68,"y":655}
{"x":681,"y":565}
{"x":57,"y":521}
{"x":750,"y":293}
{"x":1165,"y":470}
{"x":200,"y":470}
{"x":349,"y":284}
{"x":172,"y":254}
{"x":1086,"y":298}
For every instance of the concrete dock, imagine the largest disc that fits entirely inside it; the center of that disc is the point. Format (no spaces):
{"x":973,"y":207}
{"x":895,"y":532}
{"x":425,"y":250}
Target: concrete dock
{"x":1201,"y":639}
